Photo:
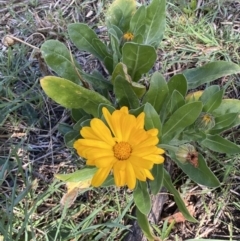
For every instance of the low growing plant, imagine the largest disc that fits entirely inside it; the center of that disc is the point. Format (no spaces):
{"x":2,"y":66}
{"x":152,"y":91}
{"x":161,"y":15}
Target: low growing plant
{"x":125,"y":129}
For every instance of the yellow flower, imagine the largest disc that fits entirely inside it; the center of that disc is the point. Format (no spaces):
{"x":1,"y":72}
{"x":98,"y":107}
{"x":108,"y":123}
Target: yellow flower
{"x":122,"y":146}
{"x":128,"y":36}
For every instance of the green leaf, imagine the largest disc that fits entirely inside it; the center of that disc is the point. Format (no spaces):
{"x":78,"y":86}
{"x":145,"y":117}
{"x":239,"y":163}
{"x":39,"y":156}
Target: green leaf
{"x":120,"y":69}
{"x":72,"y":96}
{"x":137,"y":111}
{"x":141,"y":197}
{"x":125,"y":95}
{"x":228,"y":106}
{"x":177,"y":101}
{"x":155,"y":22}
{"x":157,"y":92}
{"x":178,"y":82}
{"x":144,"y":225}
{"x":86,"y":39}
{"x":139,"y":38}
{"x":64,"y":128}
{"x":138,"y":58}
{"x":208,"y":93}
{"x":77,"y":114}
{"x":120,"y":12}
{"x":221,"y":145}
{"x":181,"y":206}
{"x":201,"y":174}
{"x":213,"y":102}
{"x":209,"y":72}
{"x":180,"y":119}
{"x":139,"y":89}
{"x":118,"y":31}
{"x":108,"y":62}
{"x":137,"y":21}
{"x":97,"y":80}
{"x":224,"y":121}
{"x":115,"y":43}
{"x":86,"y":123}
{"x":158,"y":173}
{"x":152,"y":119}
{"x":78,"y":126}
{"x":58,"y":58}
{"x":71,"y":137}
{"x":80,"y":175}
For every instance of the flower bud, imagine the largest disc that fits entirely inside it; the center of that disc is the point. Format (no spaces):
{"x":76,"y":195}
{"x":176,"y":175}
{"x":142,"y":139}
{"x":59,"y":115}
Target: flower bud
{"x":128,"y":36}
{"x":8,"y":41}
{"x":187,"y":153}
{"x":205,"y":122}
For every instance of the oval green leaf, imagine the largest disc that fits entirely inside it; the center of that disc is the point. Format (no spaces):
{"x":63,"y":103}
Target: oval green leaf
{"x":141,"y":197}
{"x":137,"y":20}
{"x":208,"y":93}
{"x":209,"y":72}
{"x":58,"y":58}
{"x":71,"y":137}
{"x":178,"y":82}
{"x":86,"y":39}
{"x":80,"y":175}
{"x":157,"y":92}
{"x":138,"y":58}
{"x":125,"y":94}
{"x":223,"y":122}
{"x":177,"y":101}
{"x":180,"y":119}
{"x":201,"y":174}
{"x":77,"y":114}
{"x":144,"y":225}
{"x":156,"y":184}
{"x":152,"y":119}
{"x":213,"y":102}
{"x":72,"y":96}
{"x":155,"y":22}
{"x":221,"y":145}
{"x":120,"y":12}
{"x":167,"y":182}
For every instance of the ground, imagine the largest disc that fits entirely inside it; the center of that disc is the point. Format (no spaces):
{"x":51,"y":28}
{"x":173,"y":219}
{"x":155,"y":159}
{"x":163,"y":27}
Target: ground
{"x":32,"y":148}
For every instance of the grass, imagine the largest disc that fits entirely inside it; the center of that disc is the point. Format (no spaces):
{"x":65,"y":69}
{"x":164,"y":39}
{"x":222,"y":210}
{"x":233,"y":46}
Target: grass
{"x":32,"y":150}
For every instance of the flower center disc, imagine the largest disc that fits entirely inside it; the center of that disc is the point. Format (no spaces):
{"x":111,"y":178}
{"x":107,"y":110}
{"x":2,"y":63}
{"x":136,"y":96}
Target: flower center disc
{"x":122,"y":150}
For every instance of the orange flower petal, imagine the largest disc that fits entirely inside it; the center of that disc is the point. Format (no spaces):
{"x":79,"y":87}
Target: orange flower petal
{"x":105,"y":161}
{"x":102,"y":131}
{"x":130,"y":176}
{"x":140,"y":121}
{"x":144,"y":151}
{"x":119,"y":170}
{"x":100,"y":176}
{"x":148,"y":174}
{"x":157,"y":159}
{"x":140,"y":162}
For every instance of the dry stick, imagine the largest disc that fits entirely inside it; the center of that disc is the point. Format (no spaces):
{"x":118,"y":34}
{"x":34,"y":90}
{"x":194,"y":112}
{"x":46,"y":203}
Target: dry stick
{"x":21,"y":41}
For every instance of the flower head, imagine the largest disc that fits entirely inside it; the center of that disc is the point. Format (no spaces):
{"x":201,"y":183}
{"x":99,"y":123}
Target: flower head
{"x":187,"y":153}
{"x":205,"y":122}
{"x":128,"y":36}
{"x":122,"y":146}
